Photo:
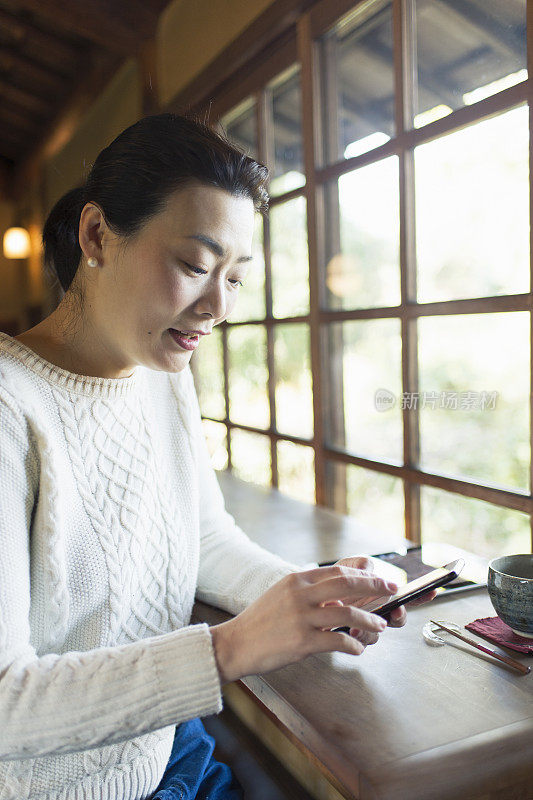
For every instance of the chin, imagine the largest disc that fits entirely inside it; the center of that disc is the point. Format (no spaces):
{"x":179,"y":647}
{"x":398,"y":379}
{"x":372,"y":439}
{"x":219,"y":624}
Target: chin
{"x":165,"y":359}
{"x":175,"y":363}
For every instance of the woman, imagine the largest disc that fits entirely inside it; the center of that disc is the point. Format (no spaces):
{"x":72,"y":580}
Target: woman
{"x":111,"y":519}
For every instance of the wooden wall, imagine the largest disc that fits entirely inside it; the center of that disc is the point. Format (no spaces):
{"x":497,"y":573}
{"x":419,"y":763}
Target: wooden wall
{"x":191,"y":35}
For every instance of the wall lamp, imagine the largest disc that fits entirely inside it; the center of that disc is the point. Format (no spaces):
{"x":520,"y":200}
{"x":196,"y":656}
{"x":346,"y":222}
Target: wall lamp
{"x":17,"y":243}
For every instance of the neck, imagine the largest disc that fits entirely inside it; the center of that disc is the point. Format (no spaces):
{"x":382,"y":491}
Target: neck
{"x":70,"y":340}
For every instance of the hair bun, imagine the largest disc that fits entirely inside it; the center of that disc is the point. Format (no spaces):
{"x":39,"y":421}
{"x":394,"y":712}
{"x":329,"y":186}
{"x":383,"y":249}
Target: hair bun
{"x":62,"y":252}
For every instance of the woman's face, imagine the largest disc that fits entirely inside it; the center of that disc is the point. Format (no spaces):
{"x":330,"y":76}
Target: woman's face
{"x":157,"y":296}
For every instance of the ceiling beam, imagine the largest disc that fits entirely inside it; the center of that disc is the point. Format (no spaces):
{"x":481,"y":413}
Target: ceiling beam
{"x":22,"y":121}
{"x":119,"y":26}
{"x":61,"y":129}
{"x":9,"y":131}
{"x":31,"y":102}
{"x":24,"y":33}
{"x":18,"y":108}
{"x":6,"y":177}
{"x":31,"y":77}
{"x":9,"y":157}
{"x":12,"y":142}
{"x":27,"y":62}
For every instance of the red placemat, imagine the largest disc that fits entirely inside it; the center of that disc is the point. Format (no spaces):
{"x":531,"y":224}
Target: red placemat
{"x":496,"y":630}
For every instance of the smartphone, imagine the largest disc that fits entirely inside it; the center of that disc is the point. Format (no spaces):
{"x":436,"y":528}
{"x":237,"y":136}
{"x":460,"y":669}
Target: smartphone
{"x":412,"y":590}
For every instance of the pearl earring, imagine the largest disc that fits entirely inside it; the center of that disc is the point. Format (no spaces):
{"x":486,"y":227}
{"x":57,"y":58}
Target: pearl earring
{"x":92,"y":262}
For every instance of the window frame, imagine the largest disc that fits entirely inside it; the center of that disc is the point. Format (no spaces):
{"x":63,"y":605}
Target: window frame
{"x":300,"y":42}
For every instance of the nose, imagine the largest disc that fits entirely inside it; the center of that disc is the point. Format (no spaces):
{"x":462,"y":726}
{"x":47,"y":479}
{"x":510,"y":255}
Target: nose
{"x":213,"y":302}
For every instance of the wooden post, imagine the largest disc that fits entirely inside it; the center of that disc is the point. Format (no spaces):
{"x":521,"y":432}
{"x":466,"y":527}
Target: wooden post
{"x":529,"y":21}
{"x":311,"y":138}
{"x":405,"y":70}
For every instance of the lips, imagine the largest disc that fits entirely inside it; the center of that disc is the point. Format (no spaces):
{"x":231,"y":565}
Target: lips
{"x":195,"y":332}
{"x":187,"y":340}
{"x":189,"y":334}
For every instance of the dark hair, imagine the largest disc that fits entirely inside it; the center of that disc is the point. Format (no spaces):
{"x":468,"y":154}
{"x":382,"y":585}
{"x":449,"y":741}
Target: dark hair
{"x":133,"y":176}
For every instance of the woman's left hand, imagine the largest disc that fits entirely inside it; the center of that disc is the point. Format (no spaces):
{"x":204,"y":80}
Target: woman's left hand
{"x":398,"y":617}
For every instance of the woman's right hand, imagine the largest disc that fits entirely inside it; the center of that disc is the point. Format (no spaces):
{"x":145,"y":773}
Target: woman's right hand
{"x":293,"y":619}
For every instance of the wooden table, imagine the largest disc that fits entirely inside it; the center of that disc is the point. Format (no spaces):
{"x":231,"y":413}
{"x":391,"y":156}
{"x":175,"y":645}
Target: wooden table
{"x":404,"y":720}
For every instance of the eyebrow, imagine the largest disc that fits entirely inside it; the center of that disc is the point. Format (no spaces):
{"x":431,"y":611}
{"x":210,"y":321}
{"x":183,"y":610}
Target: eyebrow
{"x":215,"y":247}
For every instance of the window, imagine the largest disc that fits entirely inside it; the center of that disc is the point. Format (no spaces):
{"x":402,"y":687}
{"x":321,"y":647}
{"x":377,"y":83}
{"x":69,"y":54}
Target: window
{"x":379,"y":359}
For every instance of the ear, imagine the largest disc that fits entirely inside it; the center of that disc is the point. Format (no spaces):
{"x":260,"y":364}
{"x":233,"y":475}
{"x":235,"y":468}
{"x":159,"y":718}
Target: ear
{"x":91,"y":231}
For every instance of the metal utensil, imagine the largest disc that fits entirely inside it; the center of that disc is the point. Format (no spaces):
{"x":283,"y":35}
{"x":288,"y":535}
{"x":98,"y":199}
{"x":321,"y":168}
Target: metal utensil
{"x":506,"y":659}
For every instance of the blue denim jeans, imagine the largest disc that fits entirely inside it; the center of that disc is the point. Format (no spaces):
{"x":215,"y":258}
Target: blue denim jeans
{"x":192,"y":773}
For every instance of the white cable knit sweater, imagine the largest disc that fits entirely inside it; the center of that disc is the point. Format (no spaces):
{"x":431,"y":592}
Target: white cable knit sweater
{"x":111,"y":520}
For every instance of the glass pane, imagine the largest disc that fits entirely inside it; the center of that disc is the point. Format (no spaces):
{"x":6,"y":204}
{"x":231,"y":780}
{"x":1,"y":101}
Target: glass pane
{"x":250,"y":456}
{"x":472,"y":210}
{"x":296,"y":471}
{"x":209,"y":376}
{"x":363,"y":386}
{"x":290,"y":266}
{"x":375,"y":500}
{"x":358,"y":88}
{"x":217,"y":443}
{"x":248,"y":376}
{"x":240,"y":127}
{"x":287,"y":172}
{"x":294,"y":396}
{"x":364,"y":269}
{"x":467,"y":50}
{"x":474,"y":525}
{"x":474,"y":415}
{"x":251,"y":302}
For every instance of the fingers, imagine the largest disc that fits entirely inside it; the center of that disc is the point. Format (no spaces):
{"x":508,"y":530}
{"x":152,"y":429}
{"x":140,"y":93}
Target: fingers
{"x":365,"y":637}
{"x":425,"y":598}
{"x":343,"y":642}
{"x":344,"y":585}
{"x":364,"y":563}
{"x":398,"y":617}
{"x":339,"y":568}
{"x":346,"y":616}
{"x":329,"y":641}
{"x":332,"y":603}
{"x":357,"y":562}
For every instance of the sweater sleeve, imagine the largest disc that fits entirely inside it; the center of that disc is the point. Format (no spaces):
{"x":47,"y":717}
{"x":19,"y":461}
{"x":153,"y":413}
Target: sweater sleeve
{"x":233,"y":571}
{"x":61,"y":703}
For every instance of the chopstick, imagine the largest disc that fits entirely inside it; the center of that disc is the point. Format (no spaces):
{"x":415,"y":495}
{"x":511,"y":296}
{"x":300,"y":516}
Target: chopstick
{"x":506,"y":659}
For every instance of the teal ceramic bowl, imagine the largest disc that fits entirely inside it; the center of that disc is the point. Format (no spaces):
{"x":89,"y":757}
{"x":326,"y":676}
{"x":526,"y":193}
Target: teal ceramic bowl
{"x":510,"y":585}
